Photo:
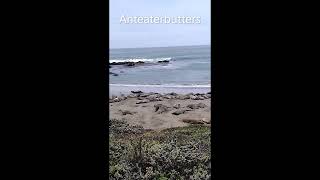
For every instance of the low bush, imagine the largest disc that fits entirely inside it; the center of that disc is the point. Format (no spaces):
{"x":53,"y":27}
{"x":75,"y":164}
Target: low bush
{"x":176,"y":153}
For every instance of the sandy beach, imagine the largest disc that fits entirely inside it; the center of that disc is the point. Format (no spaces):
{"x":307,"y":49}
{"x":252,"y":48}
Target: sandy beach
{"x":161,"y":111}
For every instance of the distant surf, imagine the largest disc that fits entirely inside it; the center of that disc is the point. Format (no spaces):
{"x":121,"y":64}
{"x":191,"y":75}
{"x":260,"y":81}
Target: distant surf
{"x":140,"y":60}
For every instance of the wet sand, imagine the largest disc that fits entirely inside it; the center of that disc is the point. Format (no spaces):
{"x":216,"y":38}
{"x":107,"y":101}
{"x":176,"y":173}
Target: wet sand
{"x":117,"y":89}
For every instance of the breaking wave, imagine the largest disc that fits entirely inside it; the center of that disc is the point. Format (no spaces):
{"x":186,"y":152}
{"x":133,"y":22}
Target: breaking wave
{"x":137,"y":60}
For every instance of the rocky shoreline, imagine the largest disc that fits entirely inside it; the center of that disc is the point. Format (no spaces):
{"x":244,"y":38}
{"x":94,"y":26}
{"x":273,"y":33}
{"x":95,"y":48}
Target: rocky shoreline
{"x":129,"y":63}
{"x":133,"y":64}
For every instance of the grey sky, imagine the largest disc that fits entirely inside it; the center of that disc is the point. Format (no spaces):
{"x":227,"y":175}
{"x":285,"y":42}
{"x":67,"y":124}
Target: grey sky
{"x":159,"y":35}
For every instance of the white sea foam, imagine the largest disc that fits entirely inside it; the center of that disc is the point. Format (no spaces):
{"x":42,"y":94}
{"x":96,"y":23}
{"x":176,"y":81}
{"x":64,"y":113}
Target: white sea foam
{"x":137,"y":60}
{"x":164,"y":85}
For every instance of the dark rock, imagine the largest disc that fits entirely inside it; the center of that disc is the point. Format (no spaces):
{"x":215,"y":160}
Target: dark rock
{"x":130,"y":64}
{"x":172,"y":94}
{"x":199,"y":94}
{"x":136,"y":92}
{"x":164,"y":61}
{"x":118,"y":63}
{"x":114,"y":74}
{"x":127,"y":63}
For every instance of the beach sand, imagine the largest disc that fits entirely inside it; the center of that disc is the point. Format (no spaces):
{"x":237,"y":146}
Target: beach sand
{"x":145,"y":114}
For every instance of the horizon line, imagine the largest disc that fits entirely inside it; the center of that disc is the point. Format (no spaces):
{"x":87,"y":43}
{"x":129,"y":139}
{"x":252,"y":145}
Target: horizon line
{"x":160,"y":46}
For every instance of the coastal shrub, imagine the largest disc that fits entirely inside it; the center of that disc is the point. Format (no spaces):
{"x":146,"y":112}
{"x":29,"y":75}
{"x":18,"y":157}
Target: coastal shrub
{"x":176,"y":153}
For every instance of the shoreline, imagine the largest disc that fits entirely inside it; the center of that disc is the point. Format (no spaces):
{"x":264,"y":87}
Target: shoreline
{"x":118,"y":89}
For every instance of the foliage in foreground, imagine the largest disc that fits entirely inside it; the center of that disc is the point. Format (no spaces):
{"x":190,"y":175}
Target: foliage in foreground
{"x":177,"y":153}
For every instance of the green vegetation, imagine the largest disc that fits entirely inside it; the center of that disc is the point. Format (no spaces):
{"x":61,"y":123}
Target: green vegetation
{"x":176,"y":153}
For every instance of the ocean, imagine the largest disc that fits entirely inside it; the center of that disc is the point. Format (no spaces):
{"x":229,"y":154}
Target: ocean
{"x":188,"y":69}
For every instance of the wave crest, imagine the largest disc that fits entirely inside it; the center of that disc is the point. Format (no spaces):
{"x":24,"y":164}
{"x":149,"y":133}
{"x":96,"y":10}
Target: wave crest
{"x":137,"y":60}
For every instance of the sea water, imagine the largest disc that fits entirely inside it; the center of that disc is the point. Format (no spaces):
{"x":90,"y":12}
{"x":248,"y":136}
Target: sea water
{"x":188,"y":70}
